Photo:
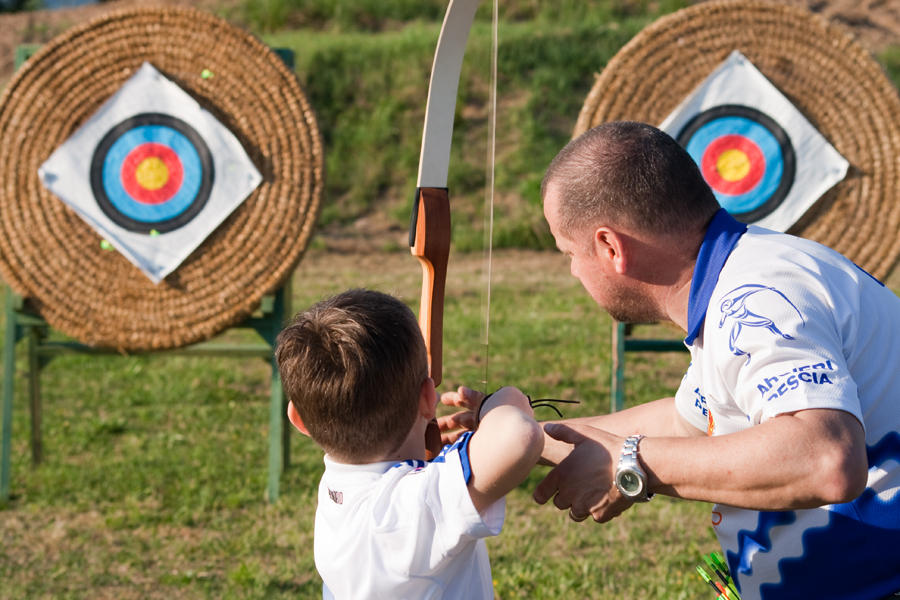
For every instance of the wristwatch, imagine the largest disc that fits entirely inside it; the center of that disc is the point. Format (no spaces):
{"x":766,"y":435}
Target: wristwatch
{"x":630,"y":478}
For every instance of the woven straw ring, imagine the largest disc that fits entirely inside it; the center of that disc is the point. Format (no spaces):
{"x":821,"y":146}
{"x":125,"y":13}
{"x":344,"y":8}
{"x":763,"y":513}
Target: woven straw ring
{"x":53,"y":258}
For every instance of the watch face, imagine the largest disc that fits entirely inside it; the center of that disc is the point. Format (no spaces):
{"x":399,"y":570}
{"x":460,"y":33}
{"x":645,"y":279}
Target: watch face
{"x":630,"y":482}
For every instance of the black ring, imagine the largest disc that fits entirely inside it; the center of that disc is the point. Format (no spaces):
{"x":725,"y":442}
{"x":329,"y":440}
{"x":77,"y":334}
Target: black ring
{"x":788,"y":157}
{"x":206,"y":178}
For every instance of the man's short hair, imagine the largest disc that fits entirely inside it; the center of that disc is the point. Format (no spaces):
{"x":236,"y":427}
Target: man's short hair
{"x":630,"y":175}
{"x":353,"y":365}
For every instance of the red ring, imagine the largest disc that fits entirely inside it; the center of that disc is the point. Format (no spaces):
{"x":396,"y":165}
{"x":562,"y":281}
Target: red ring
{"x":733,"y":142}
{"x":135,"y":189}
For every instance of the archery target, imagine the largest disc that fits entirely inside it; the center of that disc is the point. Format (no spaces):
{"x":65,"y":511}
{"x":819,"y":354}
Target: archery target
{"x":151,"y":161}
{"x":745,"y":156}
{"x":152,"y":172}
{"x":765,"y":162}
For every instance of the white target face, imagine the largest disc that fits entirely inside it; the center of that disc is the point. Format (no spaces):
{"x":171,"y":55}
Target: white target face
{"x":152,"y":172}
{"x":766,"y":164}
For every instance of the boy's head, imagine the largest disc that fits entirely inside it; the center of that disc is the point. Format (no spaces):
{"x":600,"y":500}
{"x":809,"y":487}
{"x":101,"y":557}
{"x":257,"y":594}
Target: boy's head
{"x":353,"y":367}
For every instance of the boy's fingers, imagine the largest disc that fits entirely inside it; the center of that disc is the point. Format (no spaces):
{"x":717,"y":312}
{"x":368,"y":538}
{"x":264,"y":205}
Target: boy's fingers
{"x":450,"y":438}
{"x":463,"y":398}
{"x":451,"y":399}
{"x":464,"y":419}
{"x":471,"y":398}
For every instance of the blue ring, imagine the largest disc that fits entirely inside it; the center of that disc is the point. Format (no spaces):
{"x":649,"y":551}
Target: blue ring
{"x":180,"y":201}
{"x":762,"y":137}
{"x":768,"y":205}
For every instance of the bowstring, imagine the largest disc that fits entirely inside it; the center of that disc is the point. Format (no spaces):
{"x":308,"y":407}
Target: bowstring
{"x":488,"y":227}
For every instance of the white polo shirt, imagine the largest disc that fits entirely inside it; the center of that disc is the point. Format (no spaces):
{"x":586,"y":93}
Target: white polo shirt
{"x":780,"y":324}
{"x":405,"y":530}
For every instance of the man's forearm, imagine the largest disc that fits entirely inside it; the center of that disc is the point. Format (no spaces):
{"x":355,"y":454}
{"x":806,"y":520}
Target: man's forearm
{"x":657,"y":419}
{"x":809,"y":459}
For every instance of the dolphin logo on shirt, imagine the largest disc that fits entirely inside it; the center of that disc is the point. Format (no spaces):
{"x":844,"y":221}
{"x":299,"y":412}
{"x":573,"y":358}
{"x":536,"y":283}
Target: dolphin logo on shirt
{"x":744,"y":306}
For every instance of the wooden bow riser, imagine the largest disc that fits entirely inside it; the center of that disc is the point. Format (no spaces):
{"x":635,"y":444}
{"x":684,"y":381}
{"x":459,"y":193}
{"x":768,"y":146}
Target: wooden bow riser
{"x":430,"y":243}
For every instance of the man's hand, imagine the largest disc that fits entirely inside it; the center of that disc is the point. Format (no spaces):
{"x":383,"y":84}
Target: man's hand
{"x":583,"y":481}
{"x":453,"y":426}
{"x":555,"y":451}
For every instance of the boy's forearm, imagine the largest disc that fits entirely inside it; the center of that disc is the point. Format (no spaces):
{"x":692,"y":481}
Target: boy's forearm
{"x":502,"y":452}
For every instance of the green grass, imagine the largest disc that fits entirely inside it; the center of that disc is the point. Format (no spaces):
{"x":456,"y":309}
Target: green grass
{"x":154,"y":474}
{"x":890,"y":60}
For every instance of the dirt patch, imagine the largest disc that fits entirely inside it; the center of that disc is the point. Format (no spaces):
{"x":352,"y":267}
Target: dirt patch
{"x":876,"y":23}
{"x":323,"y":272}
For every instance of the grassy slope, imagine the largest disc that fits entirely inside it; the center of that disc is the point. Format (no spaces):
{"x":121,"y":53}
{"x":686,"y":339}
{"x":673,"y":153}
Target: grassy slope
{"x":369,"y":91}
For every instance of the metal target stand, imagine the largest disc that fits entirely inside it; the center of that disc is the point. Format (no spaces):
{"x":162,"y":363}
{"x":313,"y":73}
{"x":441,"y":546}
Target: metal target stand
{"x":22,"y":323}
{"x":622,"y":343}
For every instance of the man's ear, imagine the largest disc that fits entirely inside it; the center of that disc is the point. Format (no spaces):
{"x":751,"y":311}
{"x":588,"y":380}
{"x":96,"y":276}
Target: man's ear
{"x":428,"y":399}
{"x":610,"y":245}
{"x":294,"y":418}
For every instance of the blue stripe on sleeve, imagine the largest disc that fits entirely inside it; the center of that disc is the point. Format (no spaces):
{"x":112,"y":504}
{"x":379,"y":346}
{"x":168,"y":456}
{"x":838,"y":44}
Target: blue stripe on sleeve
{"x":464,"y":456}
{"x":462,"y":446}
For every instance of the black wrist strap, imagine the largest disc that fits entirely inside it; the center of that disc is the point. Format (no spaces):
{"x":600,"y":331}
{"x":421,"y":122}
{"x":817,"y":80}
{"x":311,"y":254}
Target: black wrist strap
{"x":480,"y":406}
{"x":543,"y":403}
{"x":539,"y":403}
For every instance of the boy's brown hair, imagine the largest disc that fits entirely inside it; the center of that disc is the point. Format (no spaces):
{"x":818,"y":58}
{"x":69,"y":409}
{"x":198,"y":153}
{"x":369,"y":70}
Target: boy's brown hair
{"x":353,"y":365}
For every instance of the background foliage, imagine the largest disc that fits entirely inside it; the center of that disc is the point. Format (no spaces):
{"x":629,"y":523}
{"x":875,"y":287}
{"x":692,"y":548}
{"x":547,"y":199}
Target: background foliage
{"x":366,"y":67}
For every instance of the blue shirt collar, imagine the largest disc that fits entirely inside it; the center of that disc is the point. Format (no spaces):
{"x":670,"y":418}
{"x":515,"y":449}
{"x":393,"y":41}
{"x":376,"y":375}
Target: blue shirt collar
{"x":721,"y":238}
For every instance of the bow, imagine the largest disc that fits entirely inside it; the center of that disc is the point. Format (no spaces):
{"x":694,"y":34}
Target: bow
{"x":429,"y":231}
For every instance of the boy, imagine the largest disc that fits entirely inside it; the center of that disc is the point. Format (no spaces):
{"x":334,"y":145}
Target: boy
{"x":388,"y":524}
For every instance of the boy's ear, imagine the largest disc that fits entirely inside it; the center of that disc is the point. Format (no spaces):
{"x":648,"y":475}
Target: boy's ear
{"x":294,"y":418}
{"x":428,"y":399}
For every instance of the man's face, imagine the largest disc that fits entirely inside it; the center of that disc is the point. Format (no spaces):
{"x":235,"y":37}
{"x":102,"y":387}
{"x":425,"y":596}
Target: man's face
{"x":591,"y":264}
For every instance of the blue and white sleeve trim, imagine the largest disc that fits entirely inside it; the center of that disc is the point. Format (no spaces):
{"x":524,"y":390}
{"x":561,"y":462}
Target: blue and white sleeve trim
{"x":462,"y":446}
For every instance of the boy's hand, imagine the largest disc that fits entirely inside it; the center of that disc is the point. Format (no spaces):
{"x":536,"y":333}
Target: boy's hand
{"x":453,"y":426}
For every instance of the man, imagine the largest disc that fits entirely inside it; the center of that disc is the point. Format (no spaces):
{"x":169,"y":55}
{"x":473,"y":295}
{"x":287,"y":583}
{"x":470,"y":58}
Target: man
{"x":788,"y":416}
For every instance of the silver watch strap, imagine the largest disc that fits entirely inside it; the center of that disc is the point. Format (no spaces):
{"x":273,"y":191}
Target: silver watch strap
{"x":630,"y":449}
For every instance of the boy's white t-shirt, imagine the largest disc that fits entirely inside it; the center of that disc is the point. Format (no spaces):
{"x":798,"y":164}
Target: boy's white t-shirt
{"x":779,"y":324}
{"x":404,"y":530}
